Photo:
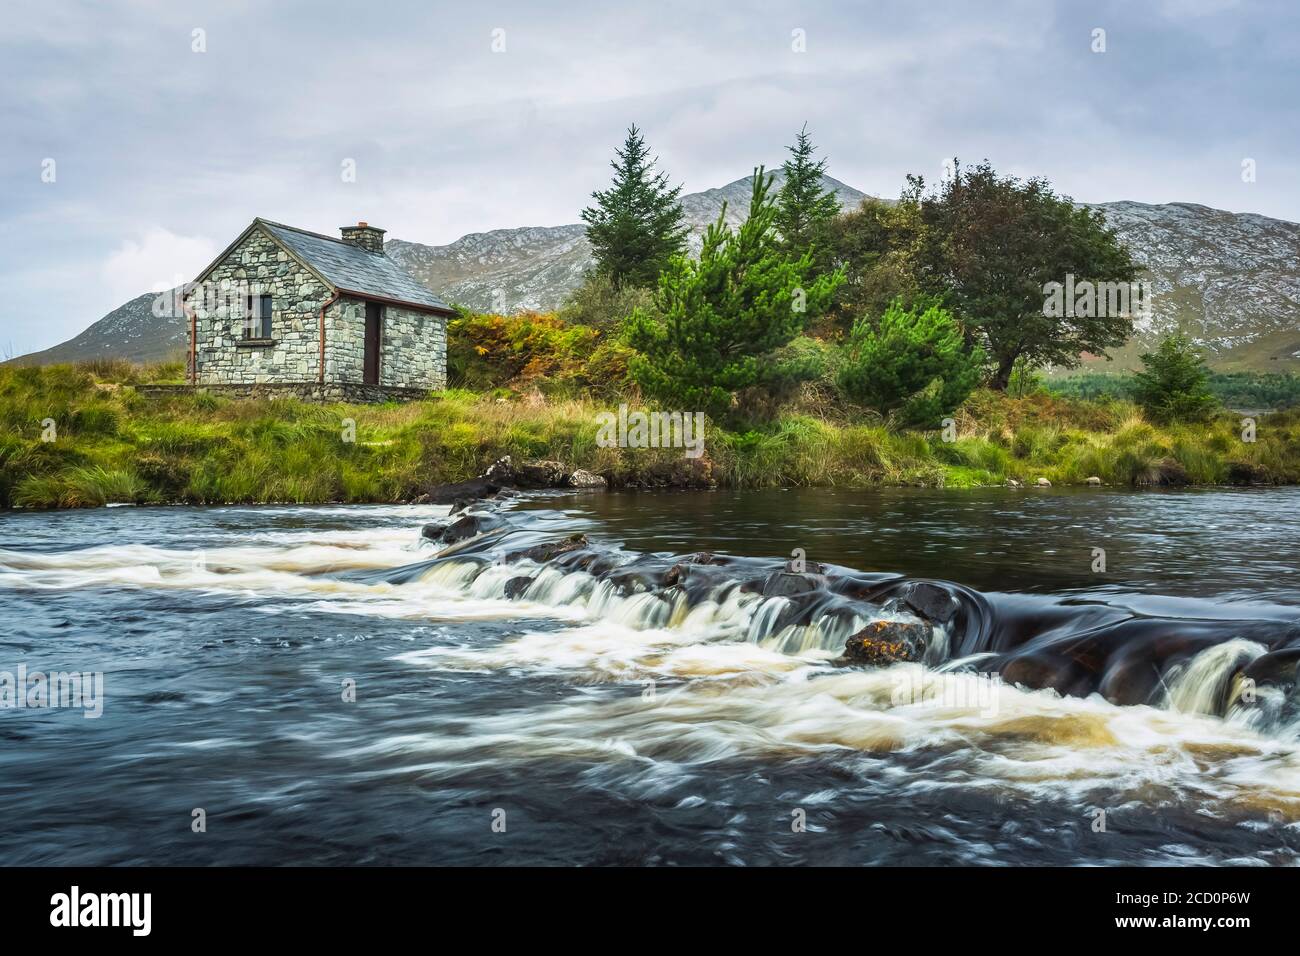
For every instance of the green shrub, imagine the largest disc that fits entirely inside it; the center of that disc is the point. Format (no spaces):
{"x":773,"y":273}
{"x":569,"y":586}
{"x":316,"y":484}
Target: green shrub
{"x":1174,"y":387}
{"x":912,"y":365}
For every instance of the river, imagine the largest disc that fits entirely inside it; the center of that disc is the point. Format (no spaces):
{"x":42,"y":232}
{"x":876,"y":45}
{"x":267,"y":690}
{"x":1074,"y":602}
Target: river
{"x":303,"y":685}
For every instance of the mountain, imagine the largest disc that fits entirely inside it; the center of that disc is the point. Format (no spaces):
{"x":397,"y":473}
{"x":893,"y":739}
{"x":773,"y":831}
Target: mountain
{"x":131,"y":331}
{"x":1229,"y":280}
{"x":537,"y":266}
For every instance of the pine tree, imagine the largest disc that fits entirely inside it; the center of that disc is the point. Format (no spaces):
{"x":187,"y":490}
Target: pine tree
{"x":803,"y":206}
{"x":720,"y":319}
{"x":635,"y":227}
{"x":912,"y":364}
{"x":1174,"y":385}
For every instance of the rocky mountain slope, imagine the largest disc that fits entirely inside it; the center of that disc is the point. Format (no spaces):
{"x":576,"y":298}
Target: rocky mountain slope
{"x":1230,"y":280}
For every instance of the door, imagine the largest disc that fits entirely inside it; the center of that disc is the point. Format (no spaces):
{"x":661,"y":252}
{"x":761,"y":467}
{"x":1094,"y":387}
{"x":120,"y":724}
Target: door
{"x":374,"y":328}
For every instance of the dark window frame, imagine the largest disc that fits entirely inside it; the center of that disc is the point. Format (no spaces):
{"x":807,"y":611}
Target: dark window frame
{"x":258,"y":319}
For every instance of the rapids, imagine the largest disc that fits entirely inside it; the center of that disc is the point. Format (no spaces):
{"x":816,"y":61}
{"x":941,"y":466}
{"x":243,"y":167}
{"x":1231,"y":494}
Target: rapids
{"x":631,"y":701}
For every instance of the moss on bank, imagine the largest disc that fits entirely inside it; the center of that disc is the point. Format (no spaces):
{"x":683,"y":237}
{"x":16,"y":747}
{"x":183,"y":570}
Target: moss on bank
{"x":114,"y":445}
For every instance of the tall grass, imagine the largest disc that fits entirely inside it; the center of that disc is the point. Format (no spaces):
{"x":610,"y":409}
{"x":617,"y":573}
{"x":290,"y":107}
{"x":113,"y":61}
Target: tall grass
{"x":112,"y":444}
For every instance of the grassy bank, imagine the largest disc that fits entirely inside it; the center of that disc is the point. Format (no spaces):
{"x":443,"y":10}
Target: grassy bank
{"x":111,"y":444}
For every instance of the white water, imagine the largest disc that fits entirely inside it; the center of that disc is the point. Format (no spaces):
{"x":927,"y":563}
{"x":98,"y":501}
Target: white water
{"x":704,"y":683}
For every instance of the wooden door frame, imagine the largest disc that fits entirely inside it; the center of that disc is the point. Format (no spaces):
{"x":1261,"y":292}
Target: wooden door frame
{"x":379,"y":344}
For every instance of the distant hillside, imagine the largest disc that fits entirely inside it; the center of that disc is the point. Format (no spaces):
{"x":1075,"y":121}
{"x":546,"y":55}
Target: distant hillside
{"x":1230,"y":280}
{"x":537,"y":266}
{"x":131,"y":331}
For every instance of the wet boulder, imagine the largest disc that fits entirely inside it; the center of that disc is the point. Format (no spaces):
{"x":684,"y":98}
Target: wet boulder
{"x":881,"y":643}
{"x":462,"y":529}
{"x":800,"y":567}
{"x":1278,"y":667}
{"x":790,"y":583}
{"x":544,"y":552}
{"x":929,"y":601}
{"x":680,"y":571}
{"x":516,"y":587}
{"x":472,"y":490}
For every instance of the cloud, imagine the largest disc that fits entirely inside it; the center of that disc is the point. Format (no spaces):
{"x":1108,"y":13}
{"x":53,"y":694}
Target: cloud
{"x":156,"y":260}
{"x":451,"y":138}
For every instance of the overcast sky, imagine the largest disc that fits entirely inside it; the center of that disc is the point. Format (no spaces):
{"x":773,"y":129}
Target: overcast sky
{"x":162,"y":154}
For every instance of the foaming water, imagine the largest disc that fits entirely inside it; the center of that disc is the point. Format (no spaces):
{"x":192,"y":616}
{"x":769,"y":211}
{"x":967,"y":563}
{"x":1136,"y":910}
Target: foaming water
{"x":600,"y":702}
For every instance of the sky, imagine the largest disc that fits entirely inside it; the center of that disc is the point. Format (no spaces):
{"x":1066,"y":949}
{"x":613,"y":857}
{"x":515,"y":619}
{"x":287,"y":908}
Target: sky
{"x":139,"y":138}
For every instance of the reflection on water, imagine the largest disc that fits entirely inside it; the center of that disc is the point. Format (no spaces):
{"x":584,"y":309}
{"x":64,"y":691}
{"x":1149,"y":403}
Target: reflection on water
{"x":610,"y":730}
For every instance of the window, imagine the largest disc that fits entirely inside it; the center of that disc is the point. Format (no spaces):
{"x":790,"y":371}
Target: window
{"x":257,"y":317}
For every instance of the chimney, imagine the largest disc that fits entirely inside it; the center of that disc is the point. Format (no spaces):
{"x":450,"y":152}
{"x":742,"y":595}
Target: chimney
{"x":368,"y":237}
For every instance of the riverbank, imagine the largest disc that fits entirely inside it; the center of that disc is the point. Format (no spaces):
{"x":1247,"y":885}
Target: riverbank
{"x":74,"y":438}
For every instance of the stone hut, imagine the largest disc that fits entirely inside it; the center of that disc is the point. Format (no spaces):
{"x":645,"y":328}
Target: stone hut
{"x":284,"y":309}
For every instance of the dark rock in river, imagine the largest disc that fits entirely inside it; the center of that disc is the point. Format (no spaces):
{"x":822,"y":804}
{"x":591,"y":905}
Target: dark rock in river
{"x":887,"y":642}
{"x":800,"y":567}
{"x":787,"y":583}
{"x":930,"y":602}
{"x":465,"y":527}
{"x":515,"y":587}
{"x":470,"y":490}
{"x":548,"y":550}
{"x":680,"y":571}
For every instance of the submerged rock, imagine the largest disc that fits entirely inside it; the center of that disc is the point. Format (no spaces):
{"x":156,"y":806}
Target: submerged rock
{"x":887,"y":642}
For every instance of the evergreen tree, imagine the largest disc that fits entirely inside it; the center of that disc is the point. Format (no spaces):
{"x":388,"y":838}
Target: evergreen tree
{"x":722,"y":318}
{"x":804,"y":208}
{"x":635,"y":227}
{"x":912,"y":364}
{"x":1175,"y":384}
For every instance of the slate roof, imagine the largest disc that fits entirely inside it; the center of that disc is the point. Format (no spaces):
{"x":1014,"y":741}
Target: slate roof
{"x":350,"y":268}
